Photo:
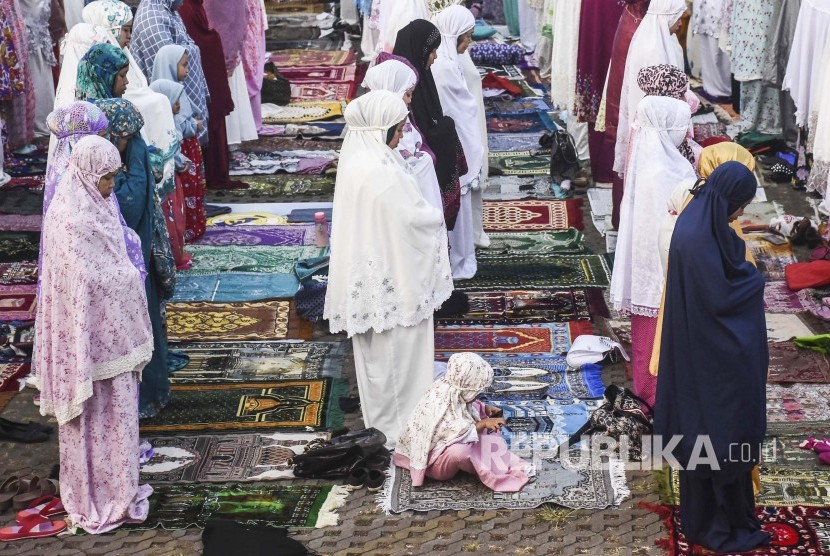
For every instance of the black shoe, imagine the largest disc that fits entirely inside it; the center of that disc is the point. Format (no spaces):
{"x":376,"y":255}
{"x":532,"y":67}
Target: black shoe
{"x":375,"y":480}
{"x":357,"y":478}
{"x":28,"y":435}
{"x":44,"y":428}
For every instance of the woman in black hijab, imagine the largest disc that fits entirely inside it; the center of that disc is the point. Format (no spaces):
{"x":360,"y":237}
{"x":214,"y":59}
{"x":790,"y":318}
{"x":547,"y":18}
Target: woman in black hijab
{"x":418,"y":42}
{"x":711,"y":387}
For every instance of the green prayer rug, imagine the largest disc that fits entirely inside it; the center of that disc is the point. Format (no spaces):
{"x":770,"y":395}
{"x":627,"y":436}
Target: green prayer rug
{"x":277,"y":188}
{"x":521,"y":163}
{"x":278,"y":259}
{"x":544,"y":242}
{"x":508,"y":272}
{"x":181,"y":506}
{"x":250,"y":406}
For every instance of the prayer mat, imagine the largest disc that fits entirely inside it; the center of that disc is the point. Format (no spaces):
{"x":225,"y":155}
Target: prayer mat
{"x":770,"y":258}
{"x":231,"y":458}
{"x":509,"y":142}
{"x":502,"y":216}
{"x":514,"y":188}
{"x":779,"y":487}
{"x":192,"y":505}
{"x":26,"y":182}
{"x":782,"y":445}
{"x":344,"y":75}
{"x":20,"y":273}
{"x":277,"y":188}
{"x":553,"y":338}
{"x":560,"y":381}
{"x":294,"y":7}
{"x":249,"y":406}
{"x":231,"y":287}
{"x":292,"y":58}
{"x":502,"y":106}
{"x":534,"y":122}
{"x":512,"y":272}
{"x":290,"y":162}
{"x":571,"y":488}
{"x":758,"y":215}
{"x":258,"y":235}
{"x":19,"y":246}
{"x":512,"y":72}
{"x":300,"y":216}
{"x":209,"y":259}
{"x":321,"y":130}
{"x":519,"y":163}
{"x":21,"y":222}
{"x":299,"y":112}
{"x":21,"y":201}
{"x":18,"y":302}
{"x":783,"y":327}
{"x":27,"y":164}
{"x":534,"y":243}
{"x":790,"y":363}
{"x":227,"y":322}
{"x":794,"y":530}
{"x":519,"y":307}
{"x":275,"y":144}
{"x":18,"y":334}
{"x":255,"y":361}
{"x":322,"y":91}
{"x":10,"y":372}
{"x":778,"y":298}
{"x":798,"y":402}
{"x":247,"y":219}
{"x":535,"y":426}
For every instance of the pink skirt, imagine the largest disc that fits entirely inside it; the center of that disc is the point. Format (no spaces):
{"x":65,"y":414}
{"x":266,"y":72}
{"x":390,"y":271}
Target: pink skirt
{"x":643,"y":331}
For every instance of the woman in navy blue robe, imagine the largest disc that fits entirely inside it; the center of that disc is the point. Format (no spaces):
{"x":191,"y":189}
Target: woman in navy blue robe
{"x":711,"y":387}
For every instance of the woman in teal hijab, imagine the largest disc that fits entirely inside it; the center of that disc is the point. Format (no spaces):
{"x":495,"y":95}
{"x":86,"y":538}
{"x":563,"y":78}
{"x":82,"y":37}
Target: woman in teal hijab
{"x":102,"y":73}
{"x":135,"y":189}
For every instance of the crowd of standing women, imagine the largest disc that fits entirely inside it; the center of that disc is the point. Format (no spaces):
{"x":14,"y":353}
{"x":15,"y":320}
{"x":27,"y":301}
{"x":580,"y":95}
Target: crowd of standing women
{"x":131,"y":109}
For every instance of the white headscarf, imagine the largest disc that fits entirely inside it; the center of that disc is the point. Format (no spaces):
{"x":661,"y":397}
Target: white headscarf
{"x":443,"y":415}
{"x":389,"y":263}
{"x":651,"y":45}
{"x":390,"y":75}
{"x":655,"y":169}
{"x":456,"y":99}
{"x":76,"y":43}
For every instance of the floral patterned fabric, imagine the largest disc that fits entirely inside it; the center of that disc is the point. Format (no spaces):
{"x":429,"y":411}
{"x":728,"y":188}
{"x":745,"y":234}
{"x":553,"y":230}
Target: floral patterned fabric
{"x":11,"y":78}
{"x":193,"y":186}
{"x":663,"y":80}
{"x":97,"y":72}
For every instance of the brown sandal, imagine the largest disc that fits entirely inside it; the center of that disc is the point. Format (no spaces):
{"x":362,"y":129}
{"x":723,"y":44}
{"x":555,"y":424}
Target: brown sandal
{"x":11,"y":487}
{"x":37,"y":488}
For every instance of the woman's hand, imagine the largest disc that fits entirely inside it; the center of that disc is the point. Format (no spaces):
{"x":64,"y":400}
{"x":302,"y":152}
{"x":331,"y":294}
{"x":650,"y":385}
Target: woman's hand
{"x":492,"y":411}
{"x":492,"y":424}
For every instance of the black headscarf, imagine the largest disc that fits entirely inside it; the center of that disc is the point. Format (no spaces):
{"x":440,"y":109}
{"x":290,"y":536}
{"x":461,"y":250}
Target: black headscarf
{"x":416,"y":42}
{"x":714,"y":355}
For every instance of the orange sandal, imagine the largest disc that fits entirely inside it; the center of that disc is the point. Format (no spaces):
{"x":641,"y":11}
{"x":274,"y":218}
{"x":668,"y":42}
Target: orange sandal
{"x":33,"y":529}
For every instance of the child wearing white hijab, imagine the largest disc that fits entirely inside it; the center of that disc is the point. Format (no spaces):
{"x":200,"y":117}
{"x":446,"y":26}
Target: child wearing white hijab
{"x":655,"y":169}
{"x":397,"y":77}
{"x":389,"y":268}
{"x":653,"y":44}
{"x":456,"y":24}
{"x":449,"y":431}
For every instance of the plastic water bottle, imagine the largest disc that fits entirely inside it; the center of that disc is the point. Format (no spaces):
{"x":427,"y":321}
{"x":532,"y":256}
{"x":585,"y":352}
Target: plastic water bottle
{"x":321,"y":228}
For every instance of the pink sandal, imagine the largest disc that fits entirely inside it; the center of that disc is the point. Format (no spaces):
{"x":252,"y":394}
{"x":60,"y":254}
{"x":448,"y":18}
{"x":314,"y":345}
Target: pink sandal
{"x":32,"y":529}
{"x":42,"y":509}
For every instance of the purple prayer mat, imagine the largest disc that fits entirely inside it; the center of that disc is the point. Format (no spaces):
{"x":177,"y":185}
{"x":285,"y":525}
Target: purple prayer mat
{"x":258,"y":235}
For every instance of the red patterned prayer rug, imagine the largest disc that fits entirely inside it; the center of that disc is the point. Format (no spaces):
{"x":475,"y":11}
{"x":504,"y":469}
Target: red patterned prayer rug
{"x":12,"y":274}
{"x":790,"y":363}
{"x":318,"y":74}
{"x":322,"y":91}
{"x":10,"y":372}
{"x":547,"y":338}
{"x":499,"y":216}
{"x":18,"y":302}
{"x":795,"y":530}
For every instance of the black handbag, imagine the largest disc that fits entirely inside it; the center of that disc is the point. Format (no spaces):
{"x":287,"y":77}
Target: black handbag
{"x":336,"y":458}
{"x":276,"y":89}
{"x":621,"y":414}
{"x":564,"y":160}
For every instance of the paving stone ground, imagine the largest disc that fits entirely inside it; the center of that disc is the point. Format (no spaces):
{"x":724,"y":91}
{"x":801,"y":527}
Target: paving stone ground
{"x":627,"y":530}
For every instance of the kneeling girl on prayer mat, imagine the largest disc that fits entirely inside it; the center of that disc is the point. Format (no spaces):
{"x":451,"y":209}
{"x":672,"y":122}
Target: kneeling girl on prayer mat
{"x":451,"y":431}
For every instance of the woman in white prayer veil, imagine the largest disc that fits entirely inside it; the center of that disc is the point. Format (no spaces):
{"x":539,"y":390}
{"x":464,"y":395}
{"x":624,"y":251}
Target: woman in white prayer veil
{"x":655,"y":169}
{"x":159,"y":129}
{"x":456,"y":24}
{"x":654,"y":43}
{"x":394,"y":74}
{"x":389,"y":268}
{"x":395,"y":15}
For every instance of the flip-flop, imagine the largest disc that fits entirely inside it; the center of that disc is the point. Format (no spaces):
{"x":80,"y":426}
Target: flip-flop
{"x":32,"y":530}
{"x":42,"y":508}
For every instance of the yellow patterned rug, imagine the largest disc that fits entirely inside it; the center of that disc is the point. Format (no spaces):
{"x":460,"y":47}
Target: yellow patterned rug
{"x":224,"y":322}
